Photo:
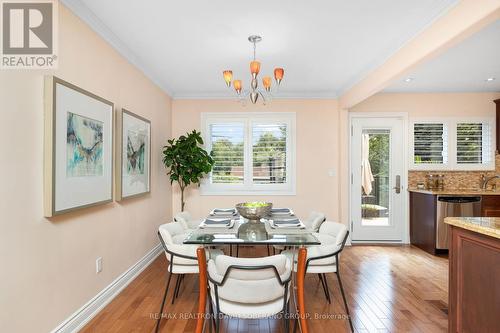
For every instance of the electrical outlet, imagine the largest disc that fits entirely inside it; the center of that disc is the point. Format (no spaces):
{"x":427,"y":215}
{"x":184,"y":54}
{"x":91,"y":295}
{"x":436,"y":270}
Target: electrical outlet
{"x":98,"y":265}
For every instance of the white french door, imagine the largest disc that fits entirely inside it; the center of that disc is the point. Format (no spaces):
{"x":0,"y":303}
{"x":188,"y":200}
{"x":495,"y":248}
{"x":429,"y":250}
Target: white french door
{"x":378,"y":198}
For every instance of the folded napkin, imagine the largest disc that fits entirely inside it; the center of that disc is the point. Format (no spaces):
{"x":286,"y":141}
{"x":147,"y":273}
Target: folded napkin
{"x":280,"y":210}
{"x":224,"y":210}
{"x":221,"y":221}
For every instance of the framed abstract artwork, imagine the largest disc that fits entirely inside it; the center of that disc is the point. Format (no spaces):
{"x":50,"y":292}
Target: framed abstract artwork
{"x":78,"y":148}
{"x":133,"y":169}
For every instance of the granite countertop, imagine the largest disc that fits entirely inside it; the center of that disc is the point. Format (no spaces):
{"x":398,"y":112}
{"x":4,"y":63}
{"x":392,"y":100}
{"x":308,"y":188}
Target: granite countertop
{"x":489,"y":226}
{"x":457,"y":192}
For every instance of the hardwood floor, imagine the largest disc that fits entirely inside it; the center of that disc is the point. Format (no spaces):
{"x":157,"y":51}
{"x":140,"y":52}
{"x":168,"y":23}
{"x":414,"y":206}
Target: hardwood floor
{"x":388,"y":289}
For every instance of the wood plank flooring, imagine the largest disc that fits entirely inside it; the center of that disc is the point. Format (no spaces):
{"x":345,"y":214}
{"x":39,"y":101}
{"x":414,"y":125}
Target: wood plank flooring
{"x":388,"y":289}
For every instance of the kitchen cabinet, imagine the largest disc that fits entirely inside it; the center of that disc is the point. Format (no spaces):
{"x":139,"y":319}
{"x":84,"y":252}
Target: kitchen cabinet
{"x":490,"y":206}
{"x":423,"y":221}
{"x":474,"y":275}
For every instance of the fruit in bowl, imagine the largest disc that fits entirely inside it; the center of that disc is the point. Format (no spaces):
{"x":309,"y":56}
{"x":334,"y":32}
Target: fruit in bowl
{"x":254,"y":211}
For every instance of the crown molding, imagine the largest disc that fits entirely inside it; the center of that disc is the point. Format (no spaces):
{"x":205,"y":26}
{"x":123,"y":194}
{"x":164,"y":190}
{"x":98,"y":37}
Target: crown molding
{"x":88,"y":16}
{"x":231,"y":96}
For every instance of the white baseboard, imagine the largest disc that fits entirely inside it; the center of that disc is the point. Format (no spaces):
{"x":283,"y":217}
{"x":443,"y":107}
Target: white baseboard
{"x":83,"y":315}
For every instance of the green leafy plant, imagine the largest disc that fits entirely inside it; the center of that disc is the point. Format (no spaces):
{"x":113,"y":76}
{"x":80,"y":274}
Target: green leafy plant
{"x":186,"y":160}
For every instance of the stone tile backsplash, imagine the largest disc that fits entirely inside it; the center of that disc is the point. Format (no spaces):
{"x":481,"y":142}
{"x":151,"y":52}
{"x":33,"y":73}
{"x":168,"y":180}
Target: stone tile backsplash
{"x":456,"y":180}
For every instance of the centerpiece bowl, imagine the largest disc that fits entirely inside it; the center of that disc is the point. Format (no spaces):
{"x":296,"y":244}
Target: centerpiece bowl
{"x":253,"y":211}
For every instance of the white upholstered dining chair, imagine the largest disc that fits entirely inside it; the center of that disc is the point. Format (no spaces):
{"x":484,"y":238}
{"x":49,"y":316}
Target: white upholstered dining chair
{"x":187,"y":221}
{"x":181,"y":258}
{"x":249,"y":288}
{"x":325,"y":258}
{"x":313,"y":222}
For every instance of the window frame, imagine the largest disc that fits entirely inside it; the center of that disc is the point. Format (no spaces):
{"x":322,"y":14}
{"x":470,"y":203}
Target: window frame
{"x":248,"y":119}
{"x":450,"y":124}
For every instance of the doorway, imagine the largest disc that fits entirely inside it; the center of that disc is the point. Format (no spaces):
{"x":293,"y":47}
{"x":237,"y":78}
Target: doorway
{"x":378,"y":172}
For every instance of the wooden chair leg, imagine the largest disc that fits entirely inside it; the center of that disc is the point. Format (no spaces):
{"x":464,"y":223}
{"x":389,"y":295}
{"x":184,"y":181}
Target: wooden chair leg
{"x":163,"y":303}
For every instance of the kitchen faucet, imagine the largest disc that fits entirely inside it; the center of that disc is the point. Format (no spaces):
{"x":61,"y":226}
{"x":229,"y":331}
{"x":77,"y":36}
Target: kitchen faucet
{"x":485,"y":180}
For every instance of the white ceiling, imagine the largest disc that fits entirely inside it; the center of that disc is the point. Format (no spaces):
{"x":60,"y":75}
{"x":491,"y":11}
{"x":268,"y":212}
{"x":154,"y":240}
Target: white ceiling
{"x":325,"y":46}
{"x":463,"y":68}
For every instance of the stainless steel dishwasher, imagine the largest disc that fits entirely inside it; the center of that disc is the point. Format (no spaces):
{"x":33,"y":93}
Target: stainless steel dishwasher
{"x":453,"y":206}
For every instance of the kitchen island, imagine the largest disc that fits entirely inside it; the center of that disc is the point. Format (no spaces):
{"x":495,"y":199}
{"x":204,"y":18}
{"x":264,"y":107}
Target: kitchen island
{"x":474,"y":274}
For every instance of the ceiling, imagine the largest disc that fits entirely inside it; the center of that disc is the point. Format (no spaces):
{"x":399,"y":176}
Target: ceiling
{"x":463,"y":68}
{"x":325,"y":46}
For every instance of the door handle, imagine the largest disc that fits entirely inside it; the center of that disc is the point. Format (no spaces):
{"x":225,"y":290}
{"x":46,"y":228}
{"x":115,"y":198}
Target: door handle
{"x":397,"y":188}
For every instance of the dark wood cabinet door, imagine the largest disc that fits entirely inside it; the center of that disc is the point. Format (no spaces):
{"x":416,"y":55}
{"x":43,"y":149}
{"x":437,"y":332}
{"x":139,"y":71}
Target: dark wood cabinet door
{"x":423,"y":221}
{"x":490,"y":206}
{"x":474,"y":294}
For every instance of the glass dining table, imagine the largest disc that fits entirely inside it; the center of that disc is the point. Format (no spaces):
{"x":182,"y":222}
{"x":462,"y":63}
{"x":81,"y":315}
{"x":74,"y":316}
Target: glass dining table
{"x":289,"y":238}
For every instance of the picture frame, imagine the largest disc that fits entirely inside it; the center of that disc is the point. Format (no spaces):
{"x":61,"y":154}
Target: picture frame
{"x":78,"y":148}
{"x":133,"y":160}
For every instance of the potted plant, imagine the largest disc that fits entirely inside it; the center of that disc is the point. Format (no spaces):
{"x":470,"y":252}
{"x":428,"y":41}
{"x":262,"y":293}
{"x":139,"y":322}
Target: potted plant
{"x":187,"y":161}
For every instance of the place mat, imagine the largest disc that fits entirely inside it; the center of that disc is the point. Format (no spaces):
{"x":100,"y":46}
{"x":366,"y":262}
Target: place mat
{"x":289,"y":221}
{"x":224,"y":211}
{"x":290,"y":231}
{"x":225,"y":222}
{"x":280,"y":210}
{"x":210,"y":229}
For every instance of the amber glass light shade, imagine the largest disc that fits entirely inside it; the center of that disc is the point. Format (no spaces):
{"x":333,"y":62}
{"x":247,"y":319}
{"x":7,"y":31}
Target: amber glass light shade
{"x":278,"y":74}
{"x":228,"y":76}
{"x":255,"y":67}
{"x":266,"y":82}
{"x":237,"y":86}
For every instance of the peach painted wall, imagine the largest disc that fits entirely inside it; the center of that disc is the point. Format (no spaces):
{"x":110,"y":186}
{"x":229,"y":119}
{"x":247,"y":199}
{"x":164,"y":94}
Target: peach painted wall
{"x":431,"y":104}
{"x":48,"y":265}
{"x":316,"y":153}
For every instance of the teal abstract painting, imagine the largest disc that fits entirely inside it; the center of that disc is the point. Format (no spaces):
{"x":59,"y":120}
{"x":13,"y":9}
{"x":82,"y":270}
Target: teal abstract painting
{"x":136,"y":153}
{"x":84,"y":147}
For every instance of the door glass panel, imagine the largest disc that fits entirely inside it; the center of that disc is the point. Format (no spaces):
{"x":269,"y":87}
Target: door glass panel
{"x":375,"y":170}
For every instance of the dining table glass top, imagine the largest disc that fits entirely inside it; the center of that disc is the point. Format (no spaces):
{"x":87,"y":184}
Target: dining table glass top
{"x":241,"y":231}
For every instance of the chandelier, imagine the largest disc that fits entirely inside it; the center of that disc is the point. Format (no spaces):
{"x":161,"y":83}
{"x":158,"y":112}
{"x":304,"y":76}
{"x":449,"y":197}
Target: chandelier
{"x":254,"y":92}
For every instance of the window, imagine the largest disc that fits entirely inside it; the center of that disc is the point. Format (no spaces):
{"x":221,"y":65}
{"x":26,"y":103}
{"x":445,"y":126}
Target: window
{"x":228,"y":152}
{"x":253,"y":153}
{"x":430,"y":143}
{"x":473,"y":143}
{"x":269,"y":153}
{"x":453,"y":144}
